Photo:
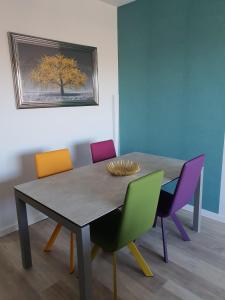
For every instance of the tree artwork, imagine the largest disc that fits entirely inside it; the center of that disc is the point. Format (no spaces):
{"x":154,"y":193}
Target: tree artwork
{"x":59,"y":70}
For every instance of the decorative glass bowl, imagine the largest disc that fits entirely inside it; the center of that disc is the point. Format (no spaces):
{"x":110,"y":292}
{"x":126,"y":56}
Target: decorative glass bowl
{"x":123,"y":167}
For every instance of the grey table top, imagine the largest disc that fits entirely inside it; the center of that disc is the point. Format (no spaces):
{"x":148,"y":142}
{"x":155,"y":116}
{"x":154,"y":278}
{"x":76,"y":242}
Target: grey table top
{"x":87,"y":193}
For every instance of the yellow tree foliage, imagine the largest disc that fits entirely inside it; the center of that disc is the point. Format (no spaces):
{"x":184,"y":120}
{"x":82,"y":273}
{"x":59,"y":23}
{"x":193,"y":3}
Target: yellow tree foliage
{"x":59,"y":70}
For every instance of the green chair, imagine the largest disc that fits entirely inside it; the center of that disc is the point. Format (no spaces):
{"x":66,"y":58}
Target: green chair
{"x":120,"y":228}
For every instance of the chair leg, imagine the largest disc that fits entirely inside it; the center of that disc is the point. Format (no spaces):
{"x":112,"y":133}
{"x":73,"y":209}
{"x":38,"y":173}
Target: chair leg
{"x":94,"y":251}
{"x":114,"y":276}
{"x":180,"y":228}
{"x":140,"y":260}
{"x":72,"y":267}
{"x":52,"y":238}
{"x":165,"y":252}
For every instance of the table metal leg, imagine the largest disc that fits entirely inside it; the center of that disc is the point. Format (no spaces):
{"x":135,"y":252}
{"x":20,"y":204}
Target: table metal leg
{"x":23,"y":233}
{"x":198,"y":204}
{"x":84,"y":262}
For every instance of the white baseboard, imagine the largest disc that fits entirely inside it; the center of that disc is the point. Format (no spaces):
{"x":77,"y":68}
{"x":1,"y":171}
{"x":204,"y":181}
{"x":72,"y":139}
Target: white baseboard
{"x":208,"y":214}
{"x":12,"y":228}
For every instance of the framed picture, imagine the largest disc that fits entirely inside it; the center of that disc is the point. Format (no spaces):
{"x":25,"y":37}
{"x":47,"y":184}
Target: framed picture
{"x":50,"y":73}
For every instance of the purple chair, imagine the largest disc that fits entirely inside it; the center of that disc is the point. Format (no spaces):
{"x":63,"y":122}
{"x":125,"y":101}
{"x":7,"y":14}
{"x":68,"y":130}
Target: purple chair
{"x":169,"y":204}
{"x":102,"y":150}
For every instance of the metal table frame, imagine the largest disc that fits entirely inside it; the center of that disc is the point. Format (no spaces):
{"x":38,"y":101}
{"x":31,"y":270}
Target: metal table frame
{"x":82,"y":235}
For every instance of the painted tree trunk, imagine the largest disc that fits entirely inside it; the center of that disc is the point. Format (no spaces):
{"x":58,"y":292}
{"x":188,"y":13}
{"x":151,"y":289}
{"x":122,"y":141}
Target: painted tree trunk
{"x":61,"y":87}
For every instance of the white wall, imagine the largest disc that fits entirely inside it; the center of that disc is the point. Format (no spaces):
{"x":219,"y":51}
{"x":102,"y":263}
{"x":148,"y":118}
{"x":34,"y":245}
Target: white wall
{"x":24,"y":132}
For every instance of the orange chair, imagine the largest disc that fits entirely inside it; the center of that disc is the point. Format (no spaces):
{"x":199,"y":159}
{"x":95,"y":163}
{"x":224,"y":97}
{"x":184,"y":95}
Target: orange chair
{"x":50,"y":163}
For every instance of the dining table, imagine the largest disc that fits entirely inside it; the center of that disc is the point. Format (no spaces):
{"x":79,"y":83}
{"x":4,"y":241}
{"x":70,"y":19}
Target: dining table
{"x":78,"y":197}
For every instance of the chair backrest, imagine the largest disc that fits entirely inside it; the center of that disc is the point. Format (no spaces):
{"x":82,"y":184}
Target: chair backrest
{"x":139,"y":208}
{"x":102,"y":150}
{"x":187,"y":183}
{"x":53,"y":162}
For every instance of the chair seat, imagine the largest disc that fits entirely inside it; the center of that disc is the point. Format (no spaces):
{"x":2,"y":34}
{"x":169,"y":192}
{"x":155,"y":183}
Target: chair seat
{"x":165,"y":204}
{"x":104,"y":231}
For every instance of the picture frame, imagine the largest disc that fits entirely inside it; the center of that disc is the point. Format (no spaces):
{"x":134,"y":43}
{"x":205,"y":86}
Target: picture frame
{"x":49,"y":73}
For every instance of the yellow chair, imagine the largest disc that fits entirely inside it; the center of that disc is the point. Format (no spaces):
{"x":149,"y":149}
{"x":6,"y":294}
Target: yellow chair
{"x":50,"y":163}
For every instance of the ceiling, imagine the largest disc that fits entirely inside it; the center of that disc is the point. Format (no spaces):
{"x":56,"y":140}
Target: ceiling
{"x":118,"y":2}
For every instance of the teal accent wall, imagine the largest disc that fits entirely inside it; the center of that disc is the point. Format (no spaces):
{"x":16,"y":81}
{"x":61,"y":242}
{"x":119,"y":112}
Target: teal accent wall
{"x":172,"y":82}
